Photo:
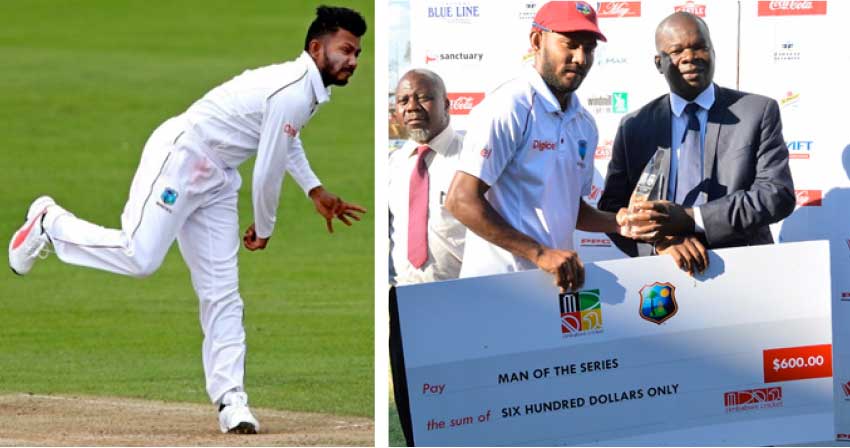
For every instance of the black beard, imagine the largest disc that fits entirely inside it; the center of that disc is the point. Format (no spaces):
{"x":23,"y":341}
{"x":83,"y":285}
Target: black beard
{"x":551,"y":80}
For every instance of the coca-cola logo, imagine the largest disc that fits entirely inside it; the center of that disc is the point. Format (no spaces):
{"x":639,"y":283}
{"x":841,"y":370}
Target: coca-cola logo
{"x":792,"y":8}
{"x":543,"y":145}
{"x":691,"y":7}
{"x":462,"y":103}
{"x":809,"y":198}
{"x":618,"y":9}
{"x":603,"y":151}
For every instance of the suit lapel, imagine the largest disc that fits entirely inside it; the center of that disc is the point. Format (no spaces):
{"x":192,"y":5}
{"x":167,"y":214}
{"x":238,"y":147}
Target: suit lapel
{"x":712,"y":131}
{"x":663,"y":135}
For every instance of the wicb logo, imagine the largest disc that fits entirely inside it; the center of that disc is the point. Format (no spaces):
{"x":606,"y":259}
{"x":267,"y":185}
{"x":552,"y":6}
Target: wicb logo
{"x":658,"y":302}
{"x":169,"y":196}
{"x":580,"y":311}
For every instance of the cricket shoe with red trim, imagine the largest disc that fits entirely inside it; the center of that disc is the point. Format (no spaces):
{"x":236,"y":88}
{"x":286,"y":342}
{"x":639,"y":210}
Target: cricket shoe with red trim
{"x":30,"y":242}
{"x":234,"y":417}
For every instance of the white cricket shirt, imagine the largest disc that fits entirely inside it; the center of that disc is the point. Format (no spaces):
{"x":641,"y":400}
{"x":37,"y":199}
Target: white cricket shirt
{"x":262,"y":112}
{"x":538,"y":162}
{"x":445,"y":233}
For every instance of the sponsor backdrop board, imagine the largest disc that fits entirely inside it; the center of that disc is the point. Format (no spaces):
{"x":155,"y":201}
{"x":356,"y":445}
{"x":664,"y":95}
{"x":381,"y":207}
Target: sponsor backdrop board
{"x":644,"y":355}
{"x":788,"y":53}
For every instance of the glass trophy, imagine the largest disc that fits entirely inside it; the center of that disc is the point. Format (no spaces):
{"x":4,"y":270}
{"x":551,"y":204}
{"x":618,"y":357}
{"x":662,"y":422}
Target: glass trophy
{"x":652,"y":185}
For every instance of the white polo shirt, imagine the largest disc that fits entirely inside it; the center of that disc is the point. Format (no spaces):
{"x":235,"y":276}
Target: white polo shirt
{"x":261,"y":112}
{"x":445,"y":233}
{"x":538,"y":162}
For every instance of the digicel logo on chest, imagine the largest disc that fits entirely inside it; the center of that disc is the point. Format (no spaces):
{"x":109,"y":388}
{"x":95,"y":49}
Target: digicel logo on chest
{"x":543,"y":145}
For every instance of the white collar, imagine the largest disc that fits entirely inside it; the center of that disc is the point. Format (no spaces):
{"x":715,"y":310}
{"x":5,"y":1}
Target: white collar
{"x":323,"y":94}
{"x":439,"y":144}
{"x":705,"y":100}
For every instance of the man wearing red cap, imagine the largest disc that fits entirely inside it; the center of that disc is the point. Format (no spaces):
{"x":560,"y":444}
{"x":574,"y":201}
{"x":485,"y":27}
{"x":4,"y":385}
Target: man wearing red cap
{"x":528,"y":158}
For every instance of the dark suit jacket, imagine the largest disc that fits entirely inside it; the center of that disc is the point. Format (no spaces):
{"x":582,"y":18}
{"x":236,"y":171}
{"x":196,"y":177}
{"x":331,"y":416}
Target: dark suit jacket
{"x":746,"y":175}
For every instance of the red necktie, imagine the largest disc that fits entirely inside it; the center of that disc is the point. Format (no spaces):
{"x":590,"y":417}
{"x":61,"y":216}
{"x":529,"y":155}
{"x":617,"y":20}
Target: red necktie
{"x":417,"y":217}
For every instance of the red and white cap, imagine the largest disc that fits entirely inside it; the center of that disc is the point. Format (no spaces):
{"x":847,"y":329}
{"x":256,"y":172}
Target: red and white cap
{"x":568,"y":17}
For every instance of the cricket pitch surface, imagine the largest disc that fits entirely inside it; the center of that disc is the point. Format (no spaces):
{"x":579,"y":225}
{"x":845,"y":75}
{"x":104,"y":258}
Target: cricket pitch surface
{"x":62,"y":420}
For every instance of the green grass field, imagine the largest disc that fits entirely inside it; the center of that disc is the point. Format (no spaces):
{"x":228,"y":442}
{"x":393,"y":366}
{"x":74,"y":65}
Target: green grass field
{"x":82,"y":86}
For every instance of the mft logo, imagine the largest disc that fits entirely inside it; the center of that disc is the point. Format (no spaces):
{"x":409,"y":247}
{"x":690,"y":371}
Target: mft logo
{"x":581,"y":312}
{"x":691,"y":7}
{"x":800,"y":149}
{"x":809,"y":198}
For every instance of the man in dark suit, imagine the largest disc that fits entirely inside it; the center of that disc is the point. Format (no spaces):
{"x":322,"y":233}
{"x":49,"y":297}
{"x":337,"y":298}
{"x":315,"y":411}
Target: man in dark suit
{"x":728,"y":175}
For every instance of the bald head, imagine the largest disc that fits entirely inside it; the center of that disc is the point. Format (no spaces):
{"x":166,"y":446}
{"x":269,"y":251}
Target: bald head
{"x":427,"y":76}
{"x":685,"y":55}
{"x":422,"y":104}
{"x":678,"y":20}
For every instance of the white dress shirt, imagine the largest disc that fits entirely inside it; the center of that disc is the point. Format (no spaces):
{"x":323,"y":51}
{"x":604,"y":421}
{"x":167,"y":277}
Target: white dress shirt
{"x":261,"y":112}
{"x":445,"y":233}
{"x":538,"y":162}
{"x":679,"y":125}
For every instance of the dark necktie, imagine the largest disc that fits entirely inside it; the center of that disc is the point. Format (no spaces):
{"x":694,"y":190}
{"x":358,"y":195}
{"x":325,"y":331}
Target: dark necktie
{"x":417,"y":218}
{"x":689,"y":175}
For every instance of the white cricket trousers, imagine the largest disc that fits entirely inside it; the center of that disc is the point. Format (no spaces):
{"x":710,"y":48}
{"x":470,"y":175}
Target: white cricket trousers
{"x":177,"y":192}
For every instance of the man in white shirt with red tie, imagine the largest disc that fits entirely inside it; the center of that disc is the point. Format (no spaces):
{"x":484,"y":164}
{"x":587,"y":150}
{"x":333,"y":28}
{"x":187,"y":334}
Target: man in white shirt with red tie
{"x":426,"y":240}
{"x":527,"y":158}
{"x":186,"y":188}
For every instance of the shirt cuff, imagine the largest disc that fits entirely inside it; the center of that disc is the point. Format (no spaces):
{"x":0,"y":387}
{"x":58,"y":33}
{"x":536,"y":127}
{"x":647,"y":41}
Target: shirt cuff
{"x":699,"y":225}
{"x":310,"y":184}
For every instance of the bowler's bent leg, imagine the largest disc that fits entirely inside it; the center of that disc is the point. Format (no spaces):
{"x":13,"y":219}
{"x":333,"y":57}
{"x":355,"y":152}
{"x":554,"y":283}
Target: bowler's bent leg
{"x":161,"y":198}
{"x":209,"y":242}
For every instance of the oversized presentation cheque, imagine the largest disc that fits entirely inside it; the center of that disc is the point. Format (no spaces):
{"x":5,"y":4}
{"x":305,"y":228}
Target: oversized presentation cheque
{"x":643,"y":354}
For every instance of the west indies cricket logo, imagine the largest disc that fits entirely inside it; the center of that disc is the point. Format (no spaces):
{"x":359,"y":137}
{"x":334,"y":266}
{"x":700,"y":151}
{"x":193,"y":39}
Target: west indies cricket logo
{"x":658,"y":302}
{"x":580,"y":311}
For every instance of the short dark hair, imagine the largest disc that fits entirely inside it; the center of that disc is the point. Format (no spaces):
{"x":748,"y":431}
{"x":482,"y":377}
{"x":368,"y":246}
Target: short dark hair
{"x":329,"y":19}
